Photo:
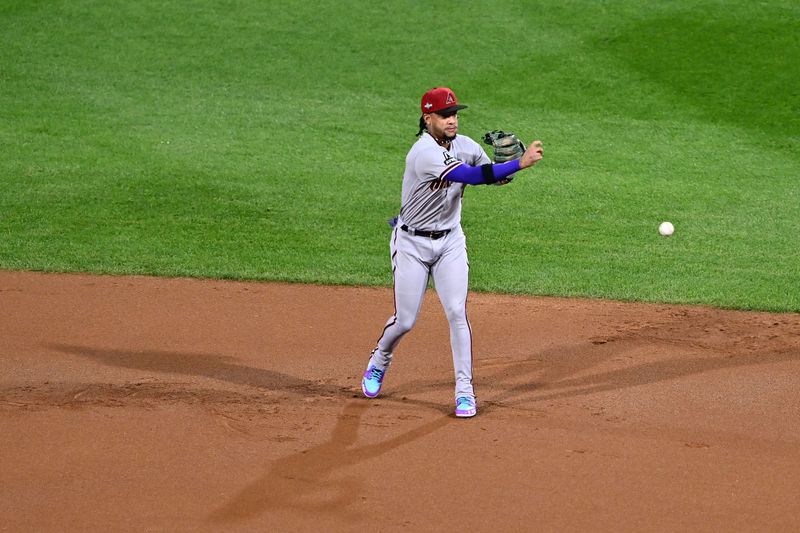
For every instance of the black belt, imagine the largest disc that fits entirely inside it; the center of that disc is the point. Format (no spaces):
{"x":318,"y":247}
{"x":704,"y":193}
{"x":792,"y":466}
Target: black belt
{"x":430,"y":234}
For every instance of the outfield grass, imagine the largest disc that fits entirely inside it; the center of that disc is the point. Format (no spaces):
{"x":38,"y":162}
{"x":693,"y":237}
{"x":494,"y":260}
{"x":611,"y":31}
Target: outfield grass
{"x":260,"y":140}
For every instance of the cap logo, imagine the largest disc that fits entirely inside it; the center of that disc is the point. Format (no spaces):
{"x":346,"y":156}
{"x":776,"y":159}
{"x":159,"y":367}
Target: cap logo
{"x":450,"y":98}
{"x":428,"y":105}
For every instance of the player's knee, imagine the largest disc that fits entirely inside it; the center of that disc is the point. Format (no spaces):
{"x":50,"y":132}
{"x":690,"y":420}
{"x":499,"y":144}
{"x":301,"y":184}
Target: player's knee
{"x":456,"y":315}
{"x":404,"y":324}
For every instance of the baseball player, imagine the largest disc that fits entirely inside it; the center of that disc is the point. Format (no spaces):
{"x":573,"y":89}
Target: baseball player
{"x":427,"y":239}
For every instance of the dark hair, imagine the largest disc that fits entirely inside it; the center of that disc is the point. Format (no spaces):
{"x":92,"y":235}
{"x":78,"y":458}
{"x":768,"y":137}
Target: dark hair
{"x":422,"y":127}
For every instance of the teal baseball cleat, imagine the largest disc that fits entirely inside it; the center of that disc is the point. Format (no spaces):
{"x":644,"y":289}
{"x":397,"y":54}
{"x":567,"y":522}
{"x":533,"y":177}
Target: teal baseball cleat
{"x":465,"y":407}
{"x":372,"y":381}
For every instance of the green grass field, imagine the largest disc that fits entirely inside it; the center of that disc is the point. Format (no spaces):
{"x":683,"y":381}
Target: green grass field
{"x":259,"y":140}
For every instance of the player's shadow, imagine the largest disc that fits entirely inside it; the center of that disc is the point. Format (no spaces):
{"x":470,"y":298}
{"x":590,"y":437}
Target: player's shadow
{"x":308,"y":481}
{"x":214,"y":366}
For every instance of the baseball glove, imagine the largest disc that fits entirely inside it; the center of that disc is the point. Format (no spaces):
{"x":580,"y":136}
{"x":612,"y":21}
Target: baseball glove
{"x":505,"y":145}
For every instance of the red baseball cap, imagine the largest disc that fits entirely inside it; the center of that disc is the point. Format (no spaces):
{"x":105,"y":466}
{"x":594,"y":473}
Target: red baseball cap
{"x":440,"y":100}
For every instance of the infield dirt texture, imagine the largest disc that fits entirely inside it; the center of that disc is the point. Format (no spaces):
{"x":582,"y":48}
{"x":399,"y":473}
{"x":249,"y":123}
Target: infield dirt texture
{"x":142,"y":404}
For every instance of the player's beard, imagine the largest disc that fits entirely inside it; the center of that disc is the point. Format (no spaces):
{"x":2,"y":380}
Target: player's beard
{"x":443,"y":138}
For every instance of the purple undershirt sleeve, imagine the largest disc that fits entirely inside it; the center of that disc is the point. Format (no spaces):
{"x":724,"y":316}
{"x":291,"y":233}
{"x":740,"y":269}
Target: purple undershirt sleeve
{"x":504,"y":170}
{"x":470,"y":175}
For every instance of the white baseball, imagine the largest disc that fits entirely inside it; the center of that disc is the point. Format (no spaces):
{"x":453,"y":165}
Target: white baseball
{"x":666,"y":229}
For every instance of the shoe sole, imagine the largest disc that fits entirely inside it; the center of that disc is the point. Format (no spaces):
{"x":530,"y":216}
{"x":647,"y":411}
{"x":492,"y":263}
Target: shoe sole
{"x":466,"y":414}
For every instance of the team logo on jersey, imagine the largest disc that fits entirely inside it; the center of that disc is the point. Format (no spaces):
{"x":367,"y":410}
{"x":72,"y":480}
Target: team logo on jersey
{"x":450,"y":163}
{"x":440,"y":184}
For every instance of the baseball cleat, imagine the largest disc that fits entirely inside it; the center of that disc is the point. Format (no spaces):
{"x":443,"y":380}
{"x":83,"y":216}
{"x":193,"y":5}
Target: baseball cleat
{"x":372,"y":381}
{"x":465,"y":407}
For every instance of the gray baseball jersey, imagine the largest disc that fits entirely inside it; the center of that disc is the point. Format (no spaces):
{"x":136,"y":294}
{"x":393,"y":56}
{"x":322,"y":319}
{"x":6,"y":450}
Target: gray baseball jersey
{"x":429,"y":201}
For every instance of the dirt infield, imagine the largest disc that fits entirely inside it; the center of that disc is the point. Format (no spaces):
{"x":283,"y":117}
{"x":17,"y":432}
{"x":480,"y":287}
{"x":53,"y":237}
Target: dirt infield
{"x":145,"y":404}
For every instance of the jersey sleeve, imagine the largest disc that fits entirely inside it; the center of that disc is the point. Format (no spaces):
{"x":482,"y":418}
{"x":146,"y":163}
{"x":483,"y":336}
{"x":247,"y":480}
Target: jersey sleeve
{"x":435,"y":164}
{"x":478,"y":154}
